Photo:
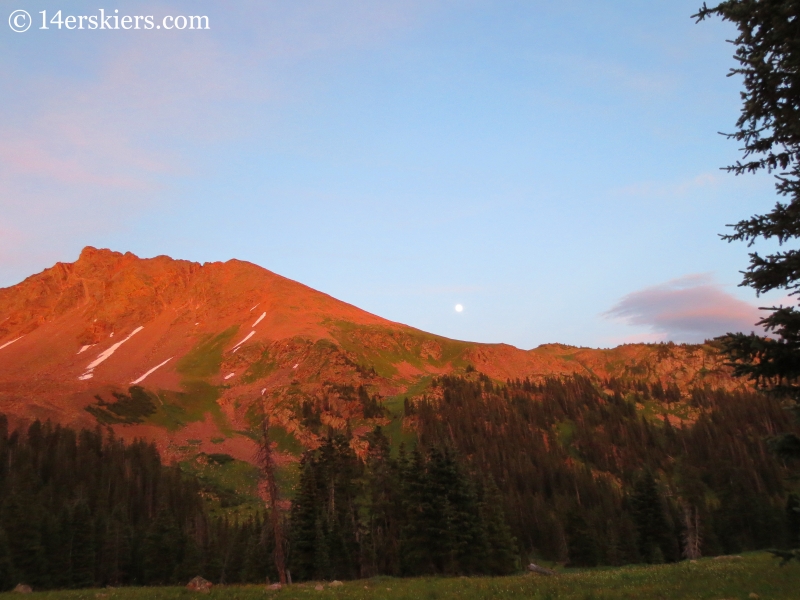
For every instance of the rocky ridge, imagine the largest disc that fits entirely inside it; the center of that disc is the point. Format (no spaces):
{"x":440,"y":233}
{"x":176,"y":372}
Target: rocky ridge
{"x":189,"y":354}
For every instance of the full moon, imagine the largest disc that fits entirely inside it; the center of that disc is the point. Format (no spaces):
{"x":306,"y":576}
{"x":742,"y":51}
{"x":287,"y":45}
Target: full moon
{"x":459,"y":308}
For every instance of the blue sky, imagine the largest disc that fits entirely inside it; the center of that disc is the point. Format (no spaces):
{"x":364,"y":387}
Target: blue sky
{"x":554,"y":168}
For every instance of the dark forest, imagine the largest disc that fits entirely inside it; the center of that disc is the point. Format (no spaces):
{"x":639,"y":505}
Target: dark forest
{"x":563,"y":470}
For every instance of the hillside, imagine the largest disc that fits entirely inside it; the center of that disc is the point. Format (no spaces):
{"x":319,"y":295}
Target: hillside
{"x":179,"y":352}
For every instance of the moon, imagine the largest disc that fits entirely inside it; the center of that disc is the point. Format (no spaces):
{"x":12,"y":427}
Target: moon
{"x":459,"y":308}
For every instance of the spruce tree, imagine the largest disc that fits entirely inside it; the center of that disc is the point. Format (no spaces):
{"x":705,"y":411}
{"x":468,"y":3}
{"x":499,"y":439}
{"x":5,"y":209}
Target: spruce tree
{"x":343,"y":474}
{"x":258,"y":565}
{"x":768,"y":128}
{"x":584,"y":550}
{"x":237,"y":554}
{"x":191,"y":564}
{"x":60,"y":561}
{"x":82,"y":549}
{"x":162,"y":549}
{"x":501,"y":551}
{"x":422,"y":528}
{"x":380,"y":542}
{"x":7,"y":573}
{"x":653,"y":530}
{"x":466,"y":530}
{"x":22,"y":519}
{"x":306,"y":530}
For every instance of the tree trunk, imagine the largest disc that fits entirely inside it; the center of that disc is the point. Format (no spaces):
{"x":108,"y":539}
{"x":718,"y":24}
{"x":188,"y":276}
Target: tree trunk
{"x":268,"y":471}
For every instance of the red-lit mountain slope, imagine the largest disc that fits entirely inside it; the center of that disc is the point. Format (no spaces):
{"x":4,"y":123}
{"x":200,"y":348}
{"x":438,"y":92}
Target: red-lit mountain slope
{"x":180,"y":352}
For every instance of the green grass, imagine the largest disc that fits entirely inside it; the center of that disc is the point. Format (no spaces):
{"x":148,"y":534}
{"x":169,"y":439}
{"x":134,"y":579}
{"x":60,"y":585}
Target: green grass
{"x":708,"y":579}
{"x":394,"y":430}
{"x":170,"y":409}
{"x":199,"y":397}
{"x":395,"y":347}
{"x":205,"y":359}
{"x":178,"y":409}
{"x":566,"y":431}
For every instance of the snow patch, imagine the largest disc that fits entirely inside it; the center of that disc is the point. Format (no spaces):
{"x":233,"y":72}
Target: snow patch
{"x":247,"y":337}
{"x":86,"y":376}
{"x":255,"y":307}
{"x":262,"y":391}
{"x":11,"y":342}
{"x":150,"y":372}
{"x":106,"y":354}
{"x":229,"y":375}
{"x":85,"y":348}
{"x":112,"y":334}
{"x":258,"y":320}
{"x":297,"y":365}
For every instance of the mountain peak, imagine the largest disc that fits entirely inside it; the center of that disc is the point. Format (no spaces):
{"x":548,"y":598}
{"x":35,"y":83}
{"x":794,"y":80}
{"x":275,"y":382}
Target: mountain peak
{"x":91,"y":254}
{"x":204,"y":341}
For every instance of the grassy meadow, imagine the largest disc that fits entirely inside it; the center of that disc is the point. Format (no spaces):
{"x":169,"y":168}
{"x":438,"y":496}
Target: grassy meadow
{"x":755,"y":575}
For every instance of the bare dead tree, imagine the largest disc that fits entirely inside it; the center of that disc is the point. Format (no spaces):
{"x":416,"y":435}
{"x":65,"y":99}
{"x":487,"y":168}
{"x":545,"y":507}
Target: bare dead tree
{"x":266,"y":463}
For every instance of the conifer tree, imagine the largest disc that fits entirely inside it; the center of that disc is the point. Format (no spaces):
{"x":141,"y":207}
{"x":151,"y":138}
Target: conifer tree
{"x":306,"y":529}
{"x":258,"y":565}
{"x":192,"y":560}
{"x":22,"y":520}
{"x":501,"y":551}
{"x":424,"y":531}
{"x":161,"y":549}
{"x":7,"y":573}
{"x":380,"y":545}
{"x":769,"y":130}
{"x":653,"y":530}
{"x":466,"y":531}
{"x":82,"y":549}
{"x":584,"y":549}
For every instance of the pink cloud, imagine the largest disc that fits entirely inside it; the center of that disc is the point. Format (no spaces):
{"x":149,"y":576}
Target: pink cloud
{"x":107,"y":132}
{"x":688,"y":309}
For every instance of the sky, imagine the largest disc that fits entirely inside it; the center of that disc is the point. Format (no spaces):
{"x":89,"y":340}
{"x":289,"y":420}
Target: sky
{"x":552,"y":167}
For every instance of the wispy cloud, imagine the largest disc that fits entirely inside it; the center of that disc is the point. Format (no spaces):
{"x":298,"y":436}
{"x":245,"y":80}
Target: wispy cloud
{"x":688,"y":309}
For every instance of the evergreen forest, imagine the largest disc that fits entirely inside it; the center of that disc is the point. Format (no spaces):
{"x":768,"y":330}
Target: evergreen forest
{"x":588,"y":479}
{"x":566,"y":470}
{"x":84,"y":509}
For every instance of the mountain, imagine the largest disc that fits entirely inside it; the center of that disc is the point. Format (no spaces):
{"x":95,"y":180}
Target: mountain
{"x":188,"y":354}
